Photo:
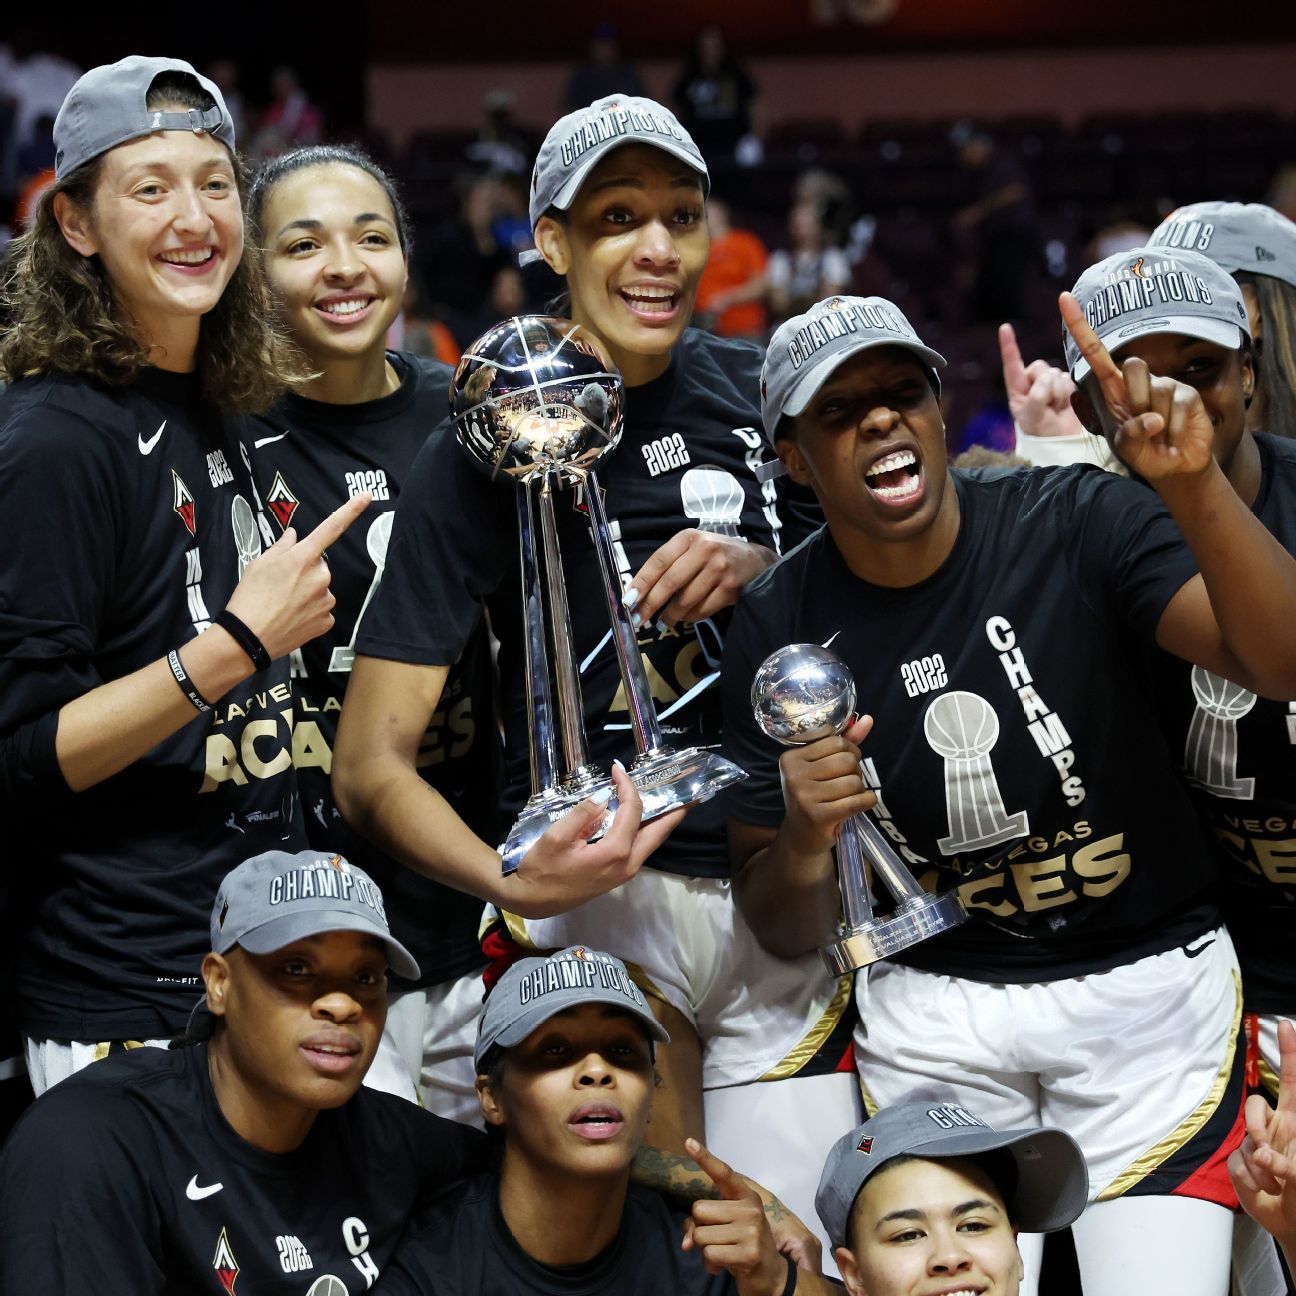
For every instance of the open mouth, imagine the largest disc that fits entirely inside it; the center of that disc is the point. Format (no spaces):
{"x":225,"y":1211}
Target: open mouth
{"x":651,"y":302}
{"x":331,"y":1058}
{"x":596,"y":1123}
{"x":896,"y":478}
{"x":189,"y":259}
{"x":345,"y":310}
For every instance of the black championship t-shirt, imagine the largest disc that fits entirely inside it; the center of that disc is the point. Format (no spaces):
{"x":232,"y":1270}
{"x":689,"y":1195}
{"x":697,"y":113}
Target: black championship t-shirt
{"x":687,"y":458}
{"x":1015,"y":756}
{"x":310,"y":458}
{"x":126,"y":1180}
{"x":126,"y":518}
{"x":1238,"y":753}
{"x":465,"y":1249}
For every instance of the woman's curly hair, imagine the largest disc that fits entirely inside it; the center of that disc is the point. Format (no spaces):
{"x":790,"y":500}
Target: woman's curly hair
{"x":62,"y":315}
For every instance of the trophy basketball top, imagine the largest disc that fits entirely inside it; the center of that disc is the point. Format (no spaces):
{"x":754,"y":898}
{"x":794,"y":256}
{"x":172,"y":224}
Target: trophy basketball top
{"x":802,"y":693}
{"x":537,"y":395}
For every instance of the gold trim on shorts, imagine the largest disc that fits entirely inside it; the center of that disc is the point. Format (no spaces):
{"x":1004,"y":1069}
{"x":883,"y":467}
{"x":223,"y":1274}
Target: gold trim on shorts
{"x":1268,"y":1077}
{"x":1176,"y":1139}
{"x":817,"y":1037}
{"x":102,"y":1049}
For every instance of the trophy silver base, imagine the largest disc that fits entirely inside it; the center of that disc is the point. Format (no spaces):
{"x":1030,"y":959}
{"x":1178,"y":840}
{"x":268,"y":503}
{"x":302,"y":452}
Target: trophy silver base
{"x":541,"y":811}
{"x":914,"y":921}
{"x":669,"y":780}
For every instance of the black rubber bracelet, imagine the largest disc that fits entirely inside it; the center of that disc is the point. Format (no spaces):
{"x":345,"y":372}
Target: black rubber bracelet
{"x":244,"y":638}
{"x":200,"y":703}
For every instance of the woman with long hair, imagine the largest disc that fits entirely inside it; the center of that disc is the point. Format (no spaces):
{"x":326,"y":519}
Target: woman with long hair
{"x":147,"y":612}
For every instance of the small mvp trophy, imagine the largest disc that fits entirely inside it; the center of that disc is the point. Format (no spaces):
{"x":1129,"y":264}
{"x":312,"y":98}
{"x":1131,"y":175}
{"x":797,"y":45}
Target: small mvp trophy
{"x":802,"y":693}
{"x":537,"y":401}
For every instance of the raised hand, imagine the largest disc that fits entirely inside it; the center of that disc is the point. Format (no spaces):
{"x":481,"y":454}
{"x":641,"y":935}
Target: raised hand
{"x":823,"y":786}
{"x":695,"y":574}
{"x":1263,"y":1169}
{"x":284,"y":596}
{"x":565,"y":869}
{"x":1039,"y":395}
{"x":1162,"y":427}
{"x":732,"y":1232}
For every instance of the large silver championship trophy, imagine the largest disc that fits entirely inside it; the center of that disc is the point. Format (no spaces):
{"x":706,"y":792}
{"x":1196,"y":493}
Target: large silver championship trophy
{"x":538,"y":401}
{"x":802,"y":693}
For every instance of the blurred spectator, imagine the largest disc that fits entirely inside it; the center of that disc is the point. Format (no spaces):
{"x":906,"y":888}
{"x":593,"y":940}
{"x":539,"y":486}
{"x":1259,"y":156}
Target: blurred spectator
{"x":603,"y":73}
{"x":422,"y":334}
{"x":459,"y":263}
{"x":37,"y":84}
{"x":501,"y":144}
{"x":997,"y":227}
{"x":831,"y":197}
{"x":1119,"y":236}
{"x":713,"y":96}
{"x":1282,"y":191}
{"x":809,"y":269}
{"x":512,"y":225}
{"x":224,"y":72}
{"x":730,"y":298}
{"x":291,"y":121}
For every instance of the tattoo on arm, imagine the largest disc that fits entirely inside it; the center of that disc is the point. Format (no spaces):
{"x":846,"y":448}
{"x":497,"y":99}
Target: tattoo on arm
{"x":675,"y":1176}
{"x":776,"y":1211}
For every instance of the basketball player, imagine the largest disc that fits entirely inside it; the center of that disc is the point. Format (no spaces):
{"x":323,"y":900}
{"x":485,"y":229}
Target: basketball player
{"x":618,"y":209}
{"x":1235,"y":749}
{"x":982,"y":617}
{"x":927,"y":1197}
{"x":1257,"y":246}
{"x":565,"y":1056}
{"x":148,"y":611}
{"x":336,"y":242}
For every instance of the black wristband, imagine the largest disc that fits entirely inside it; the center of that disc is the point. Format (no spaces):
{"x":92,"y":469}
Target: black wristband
{"x":244,"y":638}
{"x":200,"y":703}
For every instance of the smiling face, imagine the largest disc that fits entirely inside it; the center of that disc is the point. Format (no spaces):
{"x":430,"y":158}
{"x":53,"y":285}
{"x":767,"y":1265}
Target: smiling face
{"x":576,"y":1094}
{"x":1223,"y":378}
{"x":931,"y":1228}
{"x":167,"y":226}
{"x":632,"y":246}
{"x":334,"y":260}
{"x":302,"y":1024}
{"x":871,"y":444}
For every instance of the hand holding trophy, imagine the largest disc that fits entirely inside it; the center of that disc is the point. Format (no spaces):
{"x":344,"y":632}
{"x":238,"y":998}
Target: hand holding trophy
{"x":802,"y":693}
{"x":538,"y":400}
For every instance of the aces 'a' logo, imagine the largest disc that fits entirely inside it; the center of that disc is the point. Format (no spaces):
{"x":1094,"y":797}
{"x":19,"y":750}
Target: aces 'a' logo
{"x":183,"y":503}
{"x":283,"y":503}
{"x":866,"y":1145}
{"x":227,"y":1269}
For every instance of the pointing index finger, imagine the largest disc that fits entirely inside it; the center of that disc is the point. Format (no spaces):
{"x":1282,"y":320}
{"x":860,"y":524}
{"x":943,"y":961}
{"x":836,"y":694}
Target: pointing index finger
{"x":730,"y":1184}
{"x":334,"y":526}
{"x":1099,"y":359}
{"x":1014,"y":371}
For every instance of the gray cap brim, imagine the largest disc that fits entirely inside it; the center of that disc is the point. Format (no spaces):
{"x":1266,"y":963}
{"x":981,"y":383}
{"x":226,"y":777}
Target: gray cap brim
{"x":1220,"y":332}
{"x":571,"y":187}
{"x":803,"y":391}
{"x":287,"y":928}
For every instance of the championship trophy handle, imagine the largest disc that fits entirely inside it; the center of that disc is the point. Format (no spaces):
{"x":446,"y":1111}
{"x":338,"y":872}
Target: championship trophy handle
{"x":852,"y":877}
{"x":643,"y":715}
{"x":539,"y":698}
{"x":888,"y":865}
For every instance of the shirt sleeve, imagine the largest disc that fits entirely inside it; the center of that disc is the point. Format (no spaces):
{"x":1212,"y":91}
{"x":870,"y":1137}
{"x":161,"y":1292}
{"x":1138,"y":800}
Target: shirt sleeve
{"x":1125,"y":549}
{"x":758,"y":799}
{"x":448,"y":1153}
{"x":453,"y":541}
{"x":76,"y":1212}
{"x":61,"y":528}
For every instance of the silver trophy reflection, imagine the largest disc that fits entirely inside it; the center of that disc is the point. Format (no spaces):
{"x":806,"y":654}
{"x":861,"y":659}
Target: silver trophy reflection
{"x":802,"y":693}
{"x":538,"y":400}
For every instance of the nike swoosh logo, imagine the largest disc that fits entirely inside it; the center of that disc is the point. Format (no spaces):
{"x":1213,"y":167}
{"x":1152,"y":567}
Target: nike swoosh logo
{"x":1207,"y":942}
{"x":194,"y":1193}
{"x":146,"y":447}
{"x":256,"y":445}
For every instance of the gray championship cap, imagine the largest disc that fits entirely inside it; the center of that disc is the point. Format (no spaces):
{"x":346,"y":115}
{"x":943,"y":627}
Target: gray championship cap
{"x":109,"y":106}
{"x":271,"y":900}
{"x":535,"y":989}
{"x":576,"y":144}
{"x":1052,"y":1180}
{"x":806,"y":350}
{"x":1236,"y":236}
{"x":1157,"y":290}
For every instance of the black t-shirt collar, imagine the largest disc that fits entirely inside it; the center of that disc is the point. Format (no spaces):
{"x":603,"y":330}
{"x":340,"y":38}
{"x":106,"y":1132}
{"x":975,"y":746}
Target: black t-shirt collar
{"x":395,"y":403}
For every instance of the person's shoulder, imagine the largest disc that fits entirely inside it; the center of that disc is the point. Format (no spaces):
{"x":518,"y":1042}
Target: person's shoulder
{"x":57,"y":406}
{"x":1282,"y":449}
{"x":407,"y":1124}
{"x":791,"y":567}
{"x":725,"y":354}
{"x":433,"y":375}
{"x":1046,"y":486}
{"x":112,"y":1100}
